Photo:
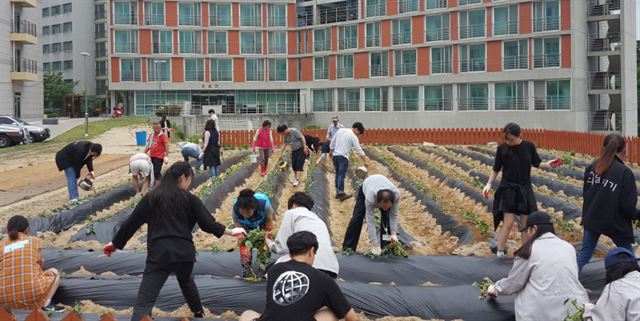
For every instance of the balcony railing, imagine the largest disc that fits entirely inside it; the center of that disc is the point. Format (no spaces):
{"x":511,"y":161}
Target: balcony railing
{"x":305,"y":19}
{"x":193,"y":75}
{"x":400,"y":38}
{"x":372,"y":41}
{"x":153,"y":19}
{"x":467,"y":2}
{"x":277,"y":49}
{"x":406,"y":104}
{"x":322,"y":45}
{"x":100,"y":14}
{"x":278,"y":75}
{"x":190,"y":48}
{"x":546,"y":24}
{"x":472,"y":31}
{"x":379,"y":71}
{"x":346,"y":106}
{"x":405,"y":69}
{"x":440,"y":67}
{"x":337,"y":14}
{"x":512,"y":103}
{"x":251,"y":21}
{"x":343,"y":72}
{"x":605,"y":120}
{"x":303,"y":48}
{"x":405,"y":6}
{"x":100,"y":53}
{"x":515,"y":62}
{"x":127,"y":19}
{"x":162,"y":48}
{"x":219,"y":21}
{"x":436,"y":4}
{"x":251,"y":49}
{"x":217,"y":48}
{"x":101,"y":71}
{"x":348,"y":43}
{"x":221,"y":75}
{"x":473,"y":103}
{"x":551,"y":102}
{"x":24,"y":26}
{"x":277,"y":21}
{"x":610,"y":42}
{"x":130,"y":76}
{"x":25,"y":65}
{"x":270,"y":108}
{"x":375,"y":11}
{"x":472,"y":64}
{"x":438,"y":104}
{"x":505,"y":28}
{"x":255,"y":75}
{"x":607,"y":8}
{"x":195,"y":20}
{"x":158,"y":76}
{"x":321,"y":74}
{"x":546,"y":61}
{"x":101,"y":34}
{"x":605,"y":80}
{"x":437,"y":34}
{"x":126,"y":47}
{"x":323,"y":106}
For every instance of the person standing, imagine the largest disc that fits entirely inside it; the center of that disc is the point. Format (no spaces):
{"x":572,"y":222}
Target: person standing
{"x":211,"y":148}
{"x":609,"y":199}
{"x":72,"y":158}
{"x":158,"y":149}
{"x":343,"y":141}
{"x":191,"y":150}
{"x":376,"y":191}
{"x":140,"y":167}
{"x":214,"y":117}
{"x":171,"y":213}
{"x":514,"y":195}
{"x":263,"y":140}
{"x":544,"y":276}
{"x":166,"y":125}
{"x":299,"y":150}
{"x":331,"y":131}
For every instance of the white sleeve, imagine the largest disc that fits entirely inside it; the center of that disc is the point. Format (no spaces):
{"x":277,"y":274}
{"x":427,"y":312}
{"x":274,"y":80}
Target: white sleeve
{"x":286,"y":229}
{"x":374,"y":238}
{"x":517,"y":279}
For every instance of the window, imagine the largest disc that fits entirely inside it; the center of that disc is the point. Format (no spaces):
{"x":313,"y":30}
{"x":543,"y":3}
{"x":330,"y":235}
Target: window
{"x":277,"y":15}
{"x":373,"y":34}
{"x":512,"y":96}
{"x":277,"y":42}
{"x":194,"y":69}
{"x":263,"y":101}
{"x":277,"y":69}
{"x":376,"y":8}
{"x":375,"y":99}
{"x":68,"y":65}
{"x":438,"y":98}
{"x":379,"y":62}
{"x":401,"y":33}
{"x":441,"y":60}
{"x":515,"y":55}
{"x":217,"y":42}
{"x":505,"y":20}
{"x":546,"y":15}
{"x":405,"y":6}
{"x":101,"y":49}
{"x":56,"y":29}
{"x":130,"y":69}
{"x":558,"y":94}
{"x":322,"y":40}
{"x":126,"y":12}
{"x":220,"y":14}
{"x":46,"y":67}
{"x":254,"y":69}
{"x":436,"y":4}
{"x":221,"y":70}
{"x":55,"y":10}
{"x":438,"y":27}
{"x":46,"y":30}
{"x":162,"y":41}
{"x":348,"y":37}
{"x":466,"y":2}
{"x":321,"y":68}
{"x":56,"y":66}
{"x":45,"y":12}
{"x":323,"y":100}
{"x":473,"y":97}
{"x":250,"y":15}
{"x":345,"y":66}
{"x":546,"y":53}
{"x":46,"y":49}
{"x":101,"y":68}
{"x":101,"y":87}
{"x":189,"y":14}
{"x":66,"y":8}
{"x":126,"y":41}
{"x":67,"y":46}
{"x":56,"y":47}
{"x":349,"y":99}
{"x":100,"y":11}
{"x":305,"y":16}
{"x":67,"y":27}
{"x":472,"y":24}
{"x":405,"y":62}
{"x":100,"y":30}
{"x":472,"y":58}
{"x":405,"y":98}
{"x":190,"y":42}
{"x":251,"y":42}
{"x":154,"y":13}
{"x":303,"y":42}
{"x":158,"y":69}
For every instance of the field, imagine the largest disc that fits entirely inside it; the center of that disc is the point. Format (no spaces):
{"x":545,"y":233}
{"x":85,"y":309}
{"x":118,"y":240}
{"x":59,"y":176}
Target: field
{"x":445,"y":223}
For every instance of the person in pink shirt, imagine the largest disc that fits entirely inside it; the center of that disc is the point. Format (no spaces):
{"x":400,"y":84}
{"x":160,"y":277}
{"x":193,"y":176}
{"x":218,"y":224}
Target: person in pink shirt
{"x":263,"y":140}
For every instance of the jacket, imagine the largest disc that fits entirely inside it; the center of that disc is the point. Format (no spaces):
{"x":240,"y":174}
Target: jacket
{"x":259,"y":218}
{"x":75,"y":155}
{"x":610,"y":201}
{"x":545,"y":281}
{"x":620,"y":300}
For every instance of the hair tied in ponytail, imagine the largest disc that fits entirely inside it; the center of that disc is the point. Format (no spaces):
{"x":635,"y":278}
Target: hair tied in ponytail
{"x":17,"y":224}
{"x":612,"y":145}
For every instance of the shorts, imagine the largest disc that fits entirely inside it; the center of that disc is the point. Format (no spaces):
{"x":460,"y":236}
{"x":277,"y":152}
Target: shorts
{"x":297,"y":160}
{"x":140,"y":166}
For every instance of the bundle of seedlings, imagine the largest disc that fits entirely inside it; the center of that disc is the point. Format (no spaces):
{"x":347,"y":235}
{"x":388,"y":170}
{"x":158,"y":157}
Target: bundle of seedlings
{"x":255,"y":243}
{"x":483,"y":286}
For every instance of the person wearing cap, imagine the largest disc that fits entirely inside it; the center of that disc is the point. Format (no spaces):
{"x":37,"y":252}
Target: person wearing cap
{"x":620,"y":298}
{"x":343,"y":141}
{"x":331,"y":131}
{"x":544,"y":274}
{"x":610,"y":196}
{"x":72,"y":158}
{"x":191,"y":150}
{"x":140,"y":167}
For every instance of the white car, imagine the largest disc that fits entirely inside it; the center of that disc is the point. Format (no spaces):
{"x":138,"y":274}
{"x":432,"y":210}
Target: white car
{"x":10,"y":135}
{"x":32,"y":133}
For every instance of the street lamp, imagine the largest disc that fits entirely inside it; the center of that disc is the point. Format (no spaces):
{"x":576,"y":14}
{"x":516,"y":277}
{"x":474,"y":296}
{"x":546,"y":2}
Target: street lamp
{"x":84,"y":85}
{"x":155,"y":64}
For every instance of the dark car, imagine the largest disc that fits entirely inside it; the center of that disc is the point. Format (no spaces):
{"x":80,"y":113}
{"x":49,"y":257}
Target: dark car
{"x":10,"y":135}
{"x":36,"y":133}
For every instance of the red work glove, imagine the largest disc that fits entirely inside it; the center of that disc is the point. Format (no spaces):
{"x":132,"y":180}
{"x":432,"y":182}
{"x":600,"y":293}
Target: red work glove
{"x":108,"y":249}
{"x":555,"y":163}
{"x":245,"y":254}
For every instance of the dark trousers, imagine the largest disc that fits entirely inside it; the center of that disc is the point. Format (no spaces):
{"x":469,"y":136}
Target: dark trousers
{"x":157,"y":167}
{"x":352,"y":236}
{"x":341,"y":164}
{"x":154,"y":278}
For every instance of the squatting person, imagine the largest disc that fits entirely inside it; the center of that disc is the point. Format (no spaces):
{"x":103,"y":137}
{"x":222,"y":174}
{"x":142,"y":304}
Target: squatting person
{"x":299,"y":150}
{"x":343,"y":141}
{"x":72,"y":158}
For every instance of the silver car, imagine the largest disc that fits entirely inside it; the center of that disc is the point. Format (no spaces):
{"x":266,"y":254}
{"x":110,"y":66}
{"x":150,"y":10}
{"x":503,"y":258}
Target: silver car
{"x":32,"y":133}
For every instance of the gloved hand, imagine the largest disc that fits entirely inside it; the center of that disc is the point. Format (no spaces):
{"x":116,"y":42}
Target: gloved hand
{"x":491,"y":292}
{"x":555,"y":163}
{"x":394,"y":238}
{"x":486,"y":190}
{"x":376,"y":250}
{"x":166,"y":159}
{"x":108,"y":249}
{"x":237,"y":232}
{"x":245,"y":254}
{"x":201,"y":155}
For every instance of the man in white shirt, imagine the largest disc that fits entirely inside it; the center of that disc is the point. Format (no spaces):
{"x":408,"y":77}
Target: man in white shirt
{"x":343,"y":141}
{"x":214,"y":117}
{"x":331,"y":131}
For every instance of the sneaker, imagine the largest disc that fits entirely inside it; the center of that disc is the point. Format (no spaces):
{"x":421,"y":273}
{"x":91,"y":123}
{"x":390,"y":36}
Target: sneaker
{"x":295,"y":183}
{"x":198,"y":315}
{"x":344,"y":197}
{"x":74,"y":201}
{"x":500,"y":254}
{"x":53,"y":309}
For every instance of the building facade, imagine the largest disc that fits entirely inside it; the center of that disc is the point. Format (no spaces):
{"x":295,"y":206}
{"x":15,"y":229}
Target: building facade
{"x":101,"y":30}
{"x":20,"y":60}
{"x":389,"y":63}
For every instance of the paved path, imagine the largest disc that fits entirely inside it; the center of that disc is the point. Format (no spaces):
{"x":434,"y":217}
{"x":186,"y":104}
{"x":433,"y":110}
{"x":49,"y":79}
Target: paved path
{"x":64,"y":124}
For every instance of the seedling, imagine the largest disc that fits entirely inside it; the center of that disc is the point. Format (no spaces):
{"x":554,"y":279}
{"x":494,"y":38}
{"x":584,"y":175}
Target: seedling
{"x":576,"y":316}
{"x":395,"y":249}
{"x":347,"y":252}
{"x":255,"y":240}
{"x":483,"y":286}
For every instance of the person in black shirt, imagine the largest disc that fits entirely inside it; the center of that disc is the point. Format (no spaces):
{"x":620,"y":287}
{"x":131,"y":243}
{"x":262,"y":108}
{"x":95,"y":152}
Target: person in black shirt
{"x":514,"y":195}
{"x":298,"y":292}
{"x":72,"y":158}
{"x":170,"y":213}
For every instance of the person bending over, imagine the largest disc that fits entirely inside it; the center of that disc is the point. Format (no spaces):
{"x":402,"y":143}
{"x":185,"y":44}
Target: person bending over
{"x":72,"y":158}
{"x":141,"y":168}
{"x":299,"y":150}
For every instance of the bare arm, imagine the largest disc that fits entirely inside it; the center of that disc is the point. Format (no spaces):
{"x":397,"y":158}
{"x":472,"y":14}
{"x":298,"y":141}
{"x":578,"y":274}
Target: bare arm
{"x":135,"y":183}
{"x":145,"y":185}
{"x":492,"y":177}
{"x":205,"y":142}
{"x":351,"y":316}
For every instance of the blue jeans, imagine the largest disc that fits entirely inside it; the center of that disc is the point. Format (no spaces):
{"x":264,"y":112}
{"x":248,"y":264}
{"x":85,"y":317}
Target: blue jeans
{"x":589,"y":242}
{"x":341,"y":164}
{"x":190,"y":152}
{"x":213,"y":170}
{"x":72,"y":184}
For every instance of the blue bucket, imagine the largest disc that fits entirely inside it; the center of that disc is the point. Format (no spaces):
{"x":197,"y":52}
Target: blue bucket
{"x":141,"y":138}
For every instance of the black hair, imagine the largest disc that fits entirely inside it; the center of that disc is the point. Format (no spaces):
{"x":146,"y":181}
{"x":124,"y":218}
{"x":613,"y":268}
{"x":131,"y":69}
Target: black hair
{"x":266,"y":123}
{"x":210,"y":125}
{"x":96,"y":148}
{"x":513,"y":129}
{"x":301,"y":242}
{"x":612,"y":145}
{"x":525,"y":250}
{"x":163,"y":118}
{"x":17,"y":224}
{"x":246,"y":200}
{"x":385,"y":195}
{"x":155,"y":123}
{"x":301,"y":199}
{"x":168,"y":197}
{"x":282,"y":128}
{"x":618,"y":271}
{"x":359,"y":127}
{"x":212,"y":111}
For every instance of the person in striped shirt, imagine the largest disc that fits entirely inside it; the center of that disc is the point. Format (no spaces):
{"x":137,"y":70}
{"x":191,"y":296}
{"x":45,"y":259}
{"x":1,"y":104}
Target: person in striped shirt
{"x":343,"y":141}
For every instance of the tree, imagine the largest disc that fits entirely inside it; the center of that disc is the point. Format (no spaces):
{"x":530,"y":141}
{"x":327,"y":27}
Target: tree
{"x":55,"y":89}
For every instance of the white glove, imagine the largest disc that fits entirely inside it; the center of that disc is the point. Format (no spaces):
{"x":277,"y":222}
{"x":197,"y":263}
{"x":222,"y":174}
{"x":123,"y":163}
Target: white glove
{"x":377,"y":251}
{"x":166,"y":159}
{"x":236,"y":231}
{"x":486,"y":190}
{"x":491,"y":291}
{"x":394,"y":237}
{"x":270,"y":243}
{"x":201,"y":155}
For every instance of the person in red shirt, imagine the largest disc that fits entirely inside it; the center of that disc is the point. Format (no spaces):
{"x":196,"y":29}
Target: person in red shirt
{"x":158,"y":149}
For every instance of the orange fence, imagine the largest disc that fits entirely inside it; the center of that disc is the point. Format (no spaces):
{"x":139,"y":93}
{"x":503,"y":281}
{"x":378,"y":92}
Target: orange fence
{"x":39,"y":315}
{"x":579,"y":142}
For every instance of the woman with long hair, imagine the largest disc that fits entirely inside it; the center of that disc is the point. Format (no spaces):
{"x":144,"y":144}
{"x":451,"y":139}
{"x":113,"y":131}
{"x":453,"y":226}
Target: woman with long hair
{"x":170,"y":212}
{"x":544,"y":274}
{"x":263,"y":140}
{"x":609,"y":199}
{"x":211,"y":148}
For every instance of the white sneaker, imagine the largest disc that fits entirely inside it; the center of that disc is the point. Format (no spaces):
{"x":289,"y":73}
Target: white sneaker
{"x":295,"y":183}
{"x":74,"y":201}
{"x":500,"y":254}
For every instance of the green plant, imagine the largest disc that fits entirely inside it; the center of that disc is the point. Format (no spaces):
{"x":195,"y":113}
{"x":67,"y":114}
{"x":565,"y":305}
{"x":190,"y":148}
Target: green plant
{"x":90,"y":230}
{"x":311,"y":127}
{"x":483,"y":286}
{"x":347,"y":252}
{"x":636,"y":225}
{"x":178,"y":132}
{"x":577,"y":316}
{"x":255,"y":240}
{"x":473,"y":218}
{"x":78,"y":307}
{"x":567,"y":160}
{"x":395,"y":249}
{"x":565,"y":226}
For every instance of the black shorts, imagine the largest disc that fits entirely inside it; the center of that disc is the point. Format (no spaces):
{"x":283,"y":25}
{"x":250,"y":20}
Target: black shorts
{"x":297,"y":160}
{"x":157,"y":167}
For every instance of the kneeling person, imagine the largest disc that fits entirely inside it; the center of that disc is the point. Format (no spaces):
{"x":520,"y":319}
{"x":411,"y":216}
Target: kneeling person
{"x":297,"y":291}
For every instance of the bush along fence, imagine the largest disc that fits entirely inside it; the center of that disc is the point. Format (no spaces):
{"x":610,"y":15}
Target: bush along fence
{"x":579,"y":142}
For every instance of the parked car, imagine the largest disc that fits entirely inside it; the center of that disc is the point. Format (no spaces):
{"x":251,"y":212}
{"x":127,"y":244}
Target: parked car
{"x":10,"y":135}
{"x":34,"y":133}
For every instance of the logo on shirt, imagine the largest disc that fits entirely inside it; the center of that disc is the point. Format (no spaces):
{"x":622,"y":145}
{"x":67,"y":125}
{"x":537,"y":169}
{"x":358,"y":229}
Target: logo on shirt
{"x":290,"y":287}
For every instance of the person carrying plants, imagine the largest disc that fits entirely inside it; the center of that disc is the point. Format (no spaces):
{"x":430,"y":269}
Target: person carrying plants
{"x":376,"y":192}
{"x":140,"y":167}
{"x":191,"y":150}
{"x":24,"y":284}
{"x":343,"y":141}
{"x":514,"y":195}
{"x":331,"y":131}
{"x":72,"y":158}
{"x":263,"y":141}
{"x":251,"y":211}
{"x":297,"y":291}
{"x":620,"y":298}
{"x":158,"y":149}
{"x":171,"y":213}
{"x":609,"y":199}
{"x":544,"y":276}
{"x":211,"y":148}
{"x":300,"y":218}
{"x":299,"y":150}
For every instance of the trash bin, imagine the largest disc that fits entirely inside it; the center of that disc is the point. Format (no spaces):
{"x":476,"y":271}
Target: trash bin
{"x":141,"y":138}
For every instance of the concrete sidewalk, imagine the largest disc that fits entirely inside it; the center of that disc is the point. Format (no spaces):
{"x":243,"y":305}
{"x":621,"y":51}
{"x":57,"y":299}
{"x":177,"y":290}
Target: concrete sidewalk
{"x":64,"y":124}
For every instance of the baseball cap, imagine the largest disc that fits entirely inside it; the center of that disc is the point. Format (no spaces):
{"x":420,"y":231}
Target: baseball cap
{"x":613,"y":259}
{"x":537,"y":218}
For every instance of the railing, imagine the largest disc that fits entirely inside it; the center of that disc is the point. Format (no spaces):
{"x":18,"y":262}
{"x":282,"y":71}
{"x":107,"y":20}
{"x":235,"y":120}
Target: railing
{"x":252,"y":21}
{"x":473,"y":103}
{"x":130,"y":75}
{"x":348,"y":106}
{"x":193,"y":75}
{"x":277,"y":49}
{"x":348,"y":43}
{"x":546,"y":61}
{"x":505,"y":28}
{"x":278,"y":75}
{"x":375,"y":105}
{"x":379,"y":71}
{"x":436,"y":4}
{"x":342,"y":72}
{"x":100,"y":13}
{"x":372,"y":41}
{"x":551,"y":102}
{"x":218,"y":21}
{"x":221,"y":76}
{"x":190,"y":48}
{"x":303,"y":48}
{"x":511,"y":103}
{"x":440,"y":67}
{"x":322,"y":45}
{"x":271,"y":108}
{"x":337,"y":14}
{"x":321,"y":74}
{"x":605,"y":80}
{"x":405,"y":6}
{"x":610,"y":42}
{"x":217,"y":48}
{"x":472,"y":31}
{"x":24,"y":26}
{"x":472,"y":64}
{"x":605,"y":120}
{"x":406,"y":105}
{"x":323,"y":107}
{"x":400,"y":38}
{"x":101,"y":34}
{"x":607,"y":8}
{"x":546,"y":23}
{"x":438,"y":104}
{"x":101,"y":71}
{"x":467,"y":2}
{"x":515,"y":62}
{"x":158,"y":75}
{"x":129,"y":19}
{"x":251,"y":49}
{"x":153,"y":19}
{"x":277,"y":21}
{"x":126,"y":47}
{"x":159,"y":48}
{"x":405,"y":69}
{"x":438,"y":34}
{"x":195,"y":20}
{"x":25,"y":65}
{"x":375,"y":11}
{"x":101,"y":53}
{"x":305,"y":19}
{"x":255,"y":76}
